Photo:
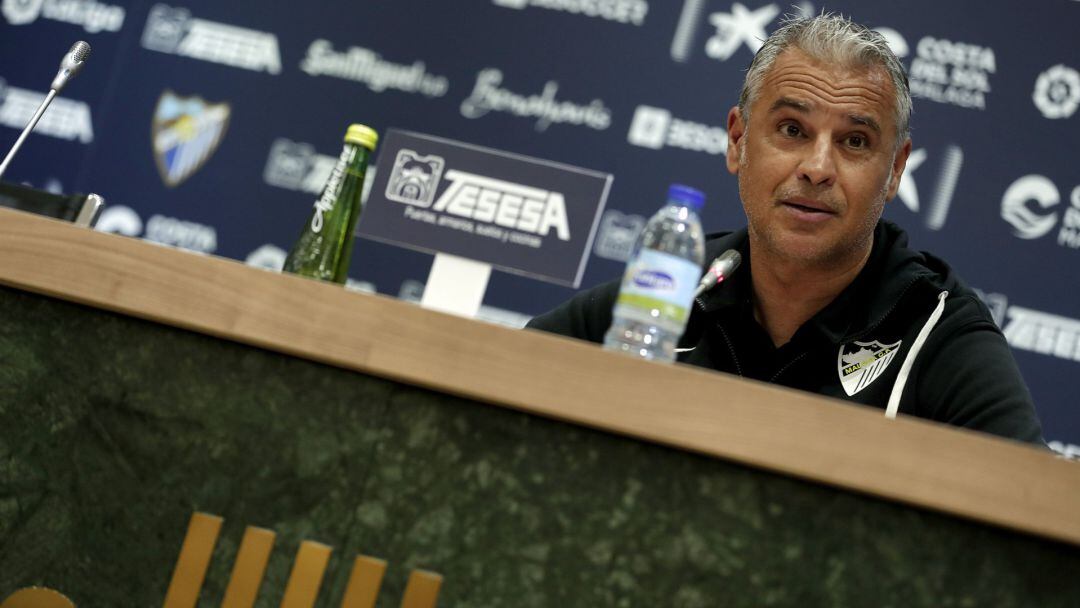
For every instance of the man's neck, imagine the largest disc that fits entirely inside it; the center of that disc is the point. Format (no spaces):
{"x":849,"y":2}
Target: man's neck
{"x":788,"y":293}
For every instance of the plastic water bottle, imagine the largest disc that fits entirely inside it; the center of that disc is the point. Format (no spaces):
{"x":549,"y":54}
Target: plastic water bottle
{"x":658,"y":287}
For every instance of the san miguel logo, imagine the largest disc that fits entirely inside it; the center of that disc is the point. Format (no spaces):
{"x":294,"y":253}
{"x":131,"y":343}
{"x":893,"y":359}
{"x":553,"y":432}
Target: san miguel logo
{"x":860,"y":363}
{"x":186,"y":132}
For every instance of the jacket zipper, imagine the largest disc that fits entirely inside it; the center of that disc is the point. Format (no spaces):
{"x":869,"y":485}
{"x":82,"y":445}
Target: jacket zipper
{"x":785,"y":368}
{"x":731,"y":347}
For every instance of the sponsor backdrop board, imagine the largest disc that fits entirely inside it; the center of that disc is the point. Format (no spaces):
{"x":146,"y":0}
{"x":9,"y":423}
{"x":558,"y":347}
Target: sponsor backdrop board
{"x":211,"y":126}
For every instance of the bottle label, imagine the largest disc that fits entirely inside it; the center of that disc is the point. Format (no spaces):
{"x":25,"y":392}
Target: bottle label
{"x":658,"y":288}
{"x":325,"y":202}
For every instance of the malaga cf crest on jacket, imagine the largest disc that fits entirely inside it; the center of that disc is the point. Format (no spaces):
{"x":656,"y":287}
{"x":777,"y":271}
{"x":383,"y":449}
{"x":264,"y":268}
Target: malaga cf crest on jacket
{"x":860,"y":363}
{"x":185,"y":133}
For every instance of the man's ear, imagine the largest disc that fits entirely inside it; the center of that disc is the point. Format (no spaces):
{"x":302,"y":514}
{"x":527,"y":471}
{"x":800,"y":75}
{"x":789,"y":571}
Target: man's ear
{"x":897,"y":169}
{"x":736,"y":128}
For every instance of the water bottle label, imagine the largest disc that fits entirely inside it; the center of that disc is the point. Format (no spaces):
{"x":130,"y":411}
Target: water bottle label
{"x":658,"y":288}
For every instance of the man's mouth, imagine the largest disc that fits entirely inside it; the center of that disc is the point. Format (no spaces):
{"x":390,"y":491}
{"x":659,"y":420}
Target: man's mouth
{"x":806,"y":206}
{"x":808,"y":211}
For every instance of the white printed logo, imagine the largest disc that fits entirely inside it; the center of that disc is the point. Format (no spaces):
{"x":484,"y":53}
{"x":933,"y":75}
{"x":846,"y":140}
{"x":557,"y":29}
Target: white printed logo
{"x":414,"y":178}
{"x":937,"y":209}
{"x":118,"y":219}
{"x":267,"y":257}
{"x":504,"y":203}
{"x":176,"y":32}
{"x":733,"y":30}
{"x":895,"y":40}
{"x":954,"y":73}
{"x":1034,"y":331}
{"x":620,"y":11}
{"x":1068,"y":451}
{"x":66,"y":119}
{"x":476,"y":204}
{"x":1043,"y":333}
{"x":161,"y":229}
{"x":366,"y":66}
{"x":92,"y":16}
{"x":297,"y":166}
{"x":1028,"y":223}
{"x":1057,"y":92}
{"x":860,"y":363}
{"x":21,"y":12}
{"x":617,"y":234}
{"x":740,"y":26}
{"x":488,"y":96}
{"x":656,"y":127}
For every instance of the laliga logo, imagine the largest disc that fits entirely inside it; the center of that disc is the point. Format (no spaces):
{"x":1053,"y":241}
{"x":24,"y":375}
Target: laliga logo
{"x":93,"y":16}
{"x":1057,"y":92}
{"x":1028,"y":223}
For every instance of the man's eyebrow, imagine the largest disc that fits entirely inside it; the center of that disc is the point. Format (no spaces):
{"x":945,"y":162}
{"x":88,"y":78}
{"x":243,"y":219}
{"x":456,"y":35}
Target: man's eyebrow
{"x":865,"y":121}
{"x":787,"y":102}
{"x":805,"y":108}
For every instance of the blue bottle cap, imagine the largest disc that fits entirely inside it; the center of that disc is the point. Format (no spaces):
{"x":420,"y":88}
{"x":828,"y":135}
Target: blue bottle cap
{"x":685,"y":195}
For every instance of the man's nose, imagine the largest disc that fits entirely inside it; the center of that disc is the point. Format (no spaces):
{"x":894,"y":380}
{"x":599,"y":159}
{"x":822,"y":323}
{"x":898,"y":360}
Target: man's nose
{"x":818,"y":165}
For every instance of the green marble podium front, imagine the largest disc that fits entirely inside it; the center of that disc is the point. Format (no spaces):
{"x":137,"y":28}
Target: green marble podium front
{"x":115,"y":429}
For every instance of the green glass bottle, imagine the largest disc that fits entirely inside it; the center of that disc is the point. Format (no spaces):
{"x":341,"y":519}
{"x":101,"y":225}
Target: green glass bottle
{"x":324,"y":248}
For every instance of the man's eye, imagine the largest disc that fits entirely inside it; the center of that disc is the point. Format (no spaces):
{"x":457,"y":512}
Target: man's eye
{"x":857,"y":141}
{"x":790,"y":130}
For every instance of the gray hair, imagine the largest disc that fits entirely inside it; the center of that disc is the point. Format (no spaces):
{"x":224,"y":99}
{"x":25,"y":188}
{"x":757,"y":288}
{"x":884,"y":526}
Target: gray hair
{"x":833,"y":39}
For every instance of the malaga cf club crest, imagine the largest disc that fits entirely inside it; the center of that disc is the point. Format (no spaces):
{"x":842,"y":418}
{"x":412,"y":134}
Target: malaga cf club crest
{"x":185,"y":134}
{"x":860,"y":363}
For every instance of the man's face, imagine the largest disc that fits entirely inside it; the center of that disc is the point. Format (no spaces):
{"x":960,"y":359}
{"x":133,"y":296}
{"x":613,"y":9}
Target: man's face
{"x":816,"y":162}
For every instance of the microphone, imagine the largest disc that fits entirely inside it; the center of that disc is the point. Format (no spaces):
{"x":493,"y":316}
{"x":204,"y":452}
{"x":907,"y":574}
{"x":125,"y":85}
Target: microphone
{"x":70,"y":65}
{"x":720,"y":269}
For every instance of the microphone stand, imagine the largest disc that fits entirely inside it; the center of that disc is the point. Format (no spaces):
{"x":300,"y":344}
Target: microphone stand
{"x":26,"y":132}
{"x":69,"y":66}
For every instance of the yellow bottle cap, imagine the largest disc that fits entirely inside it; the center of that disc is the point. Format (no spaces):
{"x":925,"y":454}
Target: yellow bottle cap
{"x":362,"y":135}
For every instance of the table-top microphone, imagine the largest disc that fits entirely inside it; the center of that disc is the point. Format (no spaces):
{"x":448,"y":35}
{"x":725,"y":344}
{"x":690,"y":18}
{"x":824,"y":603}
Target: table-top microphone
{"x":720,"y":269}
{"x":70,"y":65}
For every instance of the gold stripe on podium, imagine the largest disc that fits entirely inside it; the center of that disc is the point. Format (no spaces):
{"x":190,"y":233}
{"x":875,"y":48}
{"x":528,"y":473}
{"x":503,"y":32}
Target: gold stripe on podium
{"x":422,"y":590}
{"x":306,"y":576}
{"x":250,"y":566}
{"x":194,"y":559}
{"x":364,"y":582}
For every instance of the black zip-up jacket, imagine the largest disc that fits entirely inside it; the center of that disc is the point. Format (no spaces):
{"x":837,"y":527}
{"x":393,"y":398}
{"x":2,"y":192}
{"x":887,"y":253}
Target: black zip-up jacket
{"x":856,"y":348}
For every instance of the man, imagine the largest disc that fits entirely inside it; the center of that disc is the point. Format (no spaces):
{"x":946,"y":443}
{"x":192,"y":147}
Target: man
{"x":829,"y":299}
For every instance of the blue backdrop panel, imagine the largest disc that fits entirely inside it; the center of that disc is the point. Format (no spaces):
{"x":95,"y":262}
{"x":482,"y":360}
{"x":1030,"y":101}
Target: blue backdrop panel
{"x":637,"y":88}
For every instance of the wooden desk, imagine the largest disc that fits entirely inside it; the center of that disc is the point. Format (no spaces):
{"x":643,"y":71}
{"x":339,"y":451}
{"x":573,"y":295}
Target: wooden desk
{"x":669,"y":486}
